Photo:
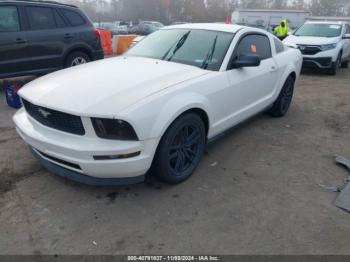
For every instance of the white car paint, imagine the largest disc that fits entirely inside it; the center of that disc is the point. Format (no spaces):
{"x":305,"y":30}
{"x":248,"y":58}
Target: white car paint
{"x":342,"y":45}
{"x":149,"y":94}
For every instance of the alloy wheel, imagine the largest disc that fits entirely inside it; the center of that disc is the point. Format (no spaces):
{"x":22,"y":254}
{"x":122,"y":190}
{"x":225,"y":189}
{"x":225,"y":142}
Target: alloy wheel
{"x":185,"y":149}
{"x":78,"y":61}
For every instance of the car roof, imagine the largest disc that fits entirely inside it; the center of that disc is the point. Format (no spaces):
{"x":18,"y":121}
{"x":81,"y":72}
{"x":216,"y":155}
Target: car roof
{"x":229,"y":28}
{"x":40,"y":2}
{"x":325,"y":22}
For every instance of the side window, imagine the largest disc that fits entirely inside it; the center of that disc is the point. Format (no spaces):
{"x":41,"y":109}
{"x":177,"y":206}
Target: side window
{"x":74,"y":18}
{"x":255,"y":44}
{"x":347,"y":29}
{"x":279,"y":45}
{"x":59,"y":20}
{"x":41,"y":18}
{"x":9,"y":20}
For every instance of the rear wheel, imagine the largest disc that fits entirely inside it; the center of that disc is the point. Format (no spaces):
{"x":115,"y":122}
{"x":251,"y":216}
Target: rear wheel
{"x":284,"y":100}
{"x":180,"y":149}
{"x":76,"y":58}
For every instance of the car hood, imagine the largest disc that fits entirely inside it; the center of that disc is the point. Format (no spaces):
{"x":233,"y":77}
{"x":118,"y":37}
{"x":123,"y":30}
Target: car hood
{"x":107,"y":86}
{"x":308,"y":40}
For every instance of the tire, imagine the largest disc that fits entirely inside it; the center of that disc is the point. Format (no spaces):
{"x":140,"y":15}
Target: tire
{"x":335,"y":66}
{"x":345,"y":64}
{"x":76,"y":58}
{"x":284,"y":100}
{"x":180,"y":150}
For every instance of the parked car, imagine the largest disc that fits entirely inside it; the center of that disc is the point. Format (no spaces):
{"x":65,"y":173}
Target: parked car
{"x":37,"y":37}
{"x":179,"y":23}
{"x":193,"y":83}
{"x":325,"y":45}
{"x":117,"y":27}
{"x":146,"y":27}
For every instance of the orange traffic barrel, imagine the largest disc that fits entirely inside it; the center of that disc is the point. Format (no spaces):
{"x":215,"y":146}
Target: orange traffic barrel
{"x":106,"y":41}
{"x":122,"y":43}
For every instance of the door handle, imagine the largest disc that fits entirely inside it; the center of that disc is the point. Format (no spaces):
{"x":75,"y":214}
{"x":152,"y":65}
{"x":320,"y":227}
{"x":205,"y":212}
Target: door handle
{"x":20,"y":41}
{"x":68,"y":36}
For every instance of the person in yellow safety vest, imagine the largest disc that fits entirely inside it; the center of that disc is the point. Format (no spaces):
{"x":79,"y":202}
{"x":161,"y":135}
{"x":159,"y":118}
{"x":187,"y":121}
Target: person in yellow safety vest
{"x":282,"y":30}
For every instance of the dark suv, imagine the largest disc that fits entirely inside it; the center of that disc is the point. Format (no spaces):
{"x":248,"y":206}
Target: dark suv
{"x":38,"y":37}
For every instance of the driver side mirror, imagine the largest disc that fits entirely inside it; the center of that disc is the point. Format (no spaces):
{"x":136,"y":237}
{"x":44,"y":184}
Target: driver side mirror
{"x":347,"y":36}
{"x":245,"y":60}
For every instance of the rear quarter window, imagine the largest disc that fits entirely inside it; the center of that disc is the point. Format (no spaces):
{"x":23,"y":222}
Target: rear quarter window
{"x":74,"y":18}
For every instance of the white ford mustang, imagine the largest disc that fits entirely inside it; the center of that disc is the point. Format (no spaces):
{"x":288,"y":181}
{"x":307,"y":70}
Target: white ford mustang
{"x":109,"y":122}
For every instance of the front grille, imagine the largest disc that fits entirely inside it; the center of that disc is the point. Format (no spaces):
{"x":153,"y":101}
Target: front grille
{"x":55,"y":119}
{"x":309,"y":50}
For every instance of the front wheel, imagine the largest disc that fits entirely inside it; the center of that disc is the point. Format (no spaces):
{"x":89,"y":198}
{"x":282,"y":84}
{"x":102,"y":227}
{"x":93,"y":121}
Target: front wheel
{"x":180,"y":149}
{"x":284,"y":100}
{"x":345,"y":64}
{"x":335,"y":66}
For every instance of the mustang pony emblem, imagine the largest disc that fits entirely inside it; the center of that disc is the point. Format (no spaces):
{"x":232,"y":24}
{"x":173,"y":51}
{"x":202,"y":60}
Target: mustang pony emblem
{"x":44,"y":113}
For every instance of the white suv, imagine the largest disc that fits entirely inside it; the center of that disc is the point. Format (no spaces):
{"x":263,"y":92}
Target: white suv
{"x":324,"y":45}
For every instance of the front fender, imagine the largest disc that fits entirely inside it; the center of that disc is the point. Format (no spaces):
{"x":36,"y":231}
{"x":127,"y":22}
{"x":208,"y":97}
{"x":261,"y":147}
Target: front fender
{"x":175,"y":107}
{"x":152,"y":117}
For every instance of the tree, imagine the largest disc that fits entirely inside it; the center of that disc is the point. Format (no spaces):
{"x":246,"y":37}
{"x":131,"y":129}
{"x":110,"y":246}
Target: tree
{"x":329,"y":8}
{"x":217,"y":10}
{"x":278,"y":4}
{"x":298,"y":4}
{"x":256,"y":4}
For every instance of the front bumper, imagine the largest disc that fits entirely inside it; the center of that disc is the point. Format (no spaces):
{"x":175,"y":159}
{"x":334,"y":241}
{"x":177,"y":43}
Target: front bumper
{"x":87,"y":180}
{"x":320,"y":62}
{"x":72,"y":156}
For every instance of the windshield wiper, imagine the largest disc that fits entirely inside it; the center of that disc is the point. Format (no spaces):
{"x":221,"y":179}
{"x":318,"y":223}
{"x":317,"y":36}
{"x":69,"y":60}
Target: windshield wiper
{"x":177,"y":45}
{"x":210,"y":54}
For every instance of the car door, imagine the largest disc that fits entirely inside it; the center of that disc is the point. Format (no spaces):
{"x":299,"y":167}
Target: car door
{"x":46,"y":36}
{"x":252,"y":88}
{"x":14,"y":55}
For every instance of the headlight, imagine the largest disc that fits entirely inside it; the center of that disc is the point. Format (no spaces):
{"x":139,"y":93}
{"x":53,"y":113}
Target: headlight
{"x":328,"y":47}
{"x":114,"y":129}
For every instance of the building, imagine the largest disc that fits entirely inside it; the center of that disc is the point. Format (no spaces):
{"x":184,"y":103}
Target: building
{"x":268,"y":19}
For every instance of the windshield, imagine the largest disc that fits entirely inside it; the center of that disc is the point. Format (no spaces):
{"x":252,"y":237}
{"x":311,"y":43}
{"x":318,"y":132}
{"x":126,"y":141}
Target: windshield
{"x":201,"y":48}
{"x":319,"y":30}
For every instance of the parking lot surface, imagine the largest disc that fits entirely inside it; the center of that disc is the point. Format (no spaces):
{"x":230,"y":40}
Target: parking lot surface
{"x":259,"y":190}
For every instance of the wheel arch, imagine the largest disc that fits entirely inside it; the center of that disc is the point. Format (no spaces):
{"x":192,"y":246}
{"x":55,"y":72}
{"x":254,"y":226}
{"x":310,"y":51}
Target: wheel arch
{"x":77,"y":48}
{"x":293,"y":75}
{"x":179,"y":106}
